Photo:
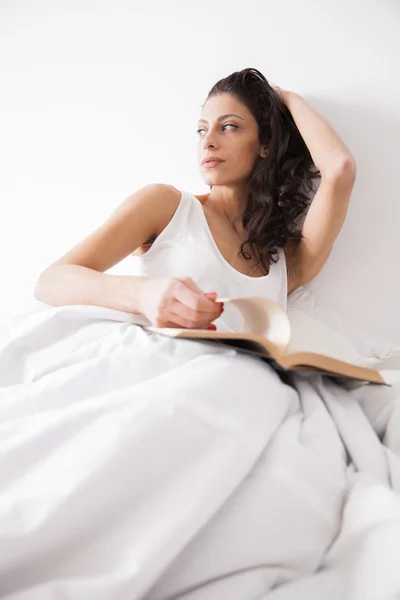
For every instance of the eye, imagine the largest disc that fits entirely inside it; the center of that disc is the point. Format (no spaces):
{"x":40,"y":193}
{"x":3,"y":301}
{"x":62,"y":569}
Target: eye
{"x":230,"y":125}
{"x":226,"y":125}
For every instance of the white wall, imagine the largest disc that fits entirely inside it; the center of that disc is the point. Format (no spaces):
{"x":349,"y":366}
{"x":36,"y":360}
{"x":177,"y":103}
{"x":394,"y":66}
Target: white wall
{"x":99,"y":98}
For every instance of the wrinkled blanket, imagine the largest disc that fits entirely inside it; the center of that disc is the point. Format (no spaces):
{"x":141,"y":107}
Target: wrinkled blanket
{"x":138,"y":466}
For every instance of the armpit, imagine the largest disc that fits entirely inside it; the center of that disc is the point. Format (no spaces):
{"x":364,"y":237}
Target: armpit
{"x":145,"y":247}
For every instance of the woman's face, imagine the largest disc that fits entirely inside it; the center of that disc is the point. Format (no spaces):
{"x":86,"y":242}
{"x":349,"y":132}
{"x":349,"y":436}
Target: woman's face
{"x":227,"y":130}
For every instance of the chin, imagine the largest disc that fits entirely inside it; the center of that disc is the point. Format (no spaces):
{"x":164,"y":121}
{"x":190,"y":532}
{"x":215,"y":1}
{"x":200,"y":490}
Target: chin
{"x":212,"y":182}
{"x":211,"y":178}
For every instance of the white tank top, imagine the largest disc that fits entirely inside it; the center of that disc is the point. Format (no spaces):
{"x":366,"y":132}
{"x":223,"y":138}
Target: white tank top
{"x":186,"y":248}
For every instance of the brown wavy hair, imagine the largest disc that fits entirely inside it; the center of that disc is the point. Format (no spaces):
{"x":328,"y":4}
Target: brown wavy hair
{"x":280,"y":185}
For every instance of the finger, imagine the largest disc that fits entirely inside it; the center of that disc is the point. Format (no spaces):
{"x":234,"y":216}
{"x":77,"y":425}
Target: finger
{"x":211,"y":295}
{"x":196,"y":315}
{"x":168,"y":324}
{"x":174,"y":325}
{"x":193,"y":286}
{"x":186,"y":317}
{"x":197,"y":302}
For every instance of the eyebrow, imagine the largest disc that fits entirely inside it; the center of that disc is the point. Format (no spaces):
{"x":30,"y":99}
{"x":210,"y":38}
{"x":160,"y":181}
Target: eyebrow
{"x":222,"y":117}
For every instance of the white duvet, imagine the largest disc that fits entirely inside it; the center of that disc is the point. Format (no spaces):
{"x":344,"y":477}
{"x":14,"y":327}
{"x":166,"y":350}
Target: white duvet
{"x":137,"y":466}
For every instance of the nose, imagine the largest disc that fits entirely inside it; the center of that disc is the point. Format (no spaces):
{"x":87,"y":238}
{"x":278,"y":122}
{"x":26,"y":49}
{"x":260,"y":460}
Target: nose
{"x":208,"y":140}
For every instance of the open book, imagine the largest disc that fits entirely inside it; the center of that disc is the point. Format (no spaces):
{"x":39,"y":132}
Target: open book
{"x":291,"y":340}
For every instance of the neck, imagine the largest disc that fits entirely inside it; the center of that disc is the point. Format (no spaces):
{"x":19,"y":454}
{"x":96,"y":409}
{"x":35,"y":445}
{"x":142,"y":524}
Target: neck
{"x":229,"y":203}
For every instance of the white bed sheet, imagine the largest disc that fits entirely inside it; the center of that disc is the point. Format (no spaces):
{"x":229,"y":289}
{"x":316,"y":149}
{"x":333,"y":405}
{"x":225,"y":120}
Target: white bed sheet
{"x":138,"y":466}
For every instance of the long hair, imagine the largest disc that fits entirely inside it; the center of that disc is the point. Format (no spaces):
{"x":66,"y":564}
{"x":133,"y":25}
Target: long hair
{"x":279,"y":185}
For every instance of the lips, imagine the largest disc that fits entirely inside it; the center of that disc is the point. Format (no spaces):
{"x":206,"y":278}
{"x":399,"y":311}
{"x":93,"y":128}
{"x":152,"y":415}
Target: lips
{"x":209,"y":160}
{"x":210,"y":164}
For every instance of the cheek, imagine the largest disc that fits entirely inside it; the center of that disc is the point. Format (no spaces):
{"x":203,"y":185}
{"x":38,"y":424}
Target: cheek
{"x":245,"y":156}
{"x":241,"y":153}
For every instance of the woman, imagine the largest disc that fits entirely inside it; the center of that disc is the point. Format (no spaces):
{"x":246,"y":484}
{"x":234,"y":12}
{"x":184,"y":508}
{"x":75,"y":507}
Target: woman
{"x":136,"y":465}
{"x":240,"y":239}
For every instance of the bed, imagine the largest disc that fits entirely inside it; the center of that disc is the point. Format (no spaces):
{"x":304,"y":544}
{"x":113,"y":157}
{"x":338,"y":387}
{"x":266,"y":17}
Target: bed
{"x":138,"y":466}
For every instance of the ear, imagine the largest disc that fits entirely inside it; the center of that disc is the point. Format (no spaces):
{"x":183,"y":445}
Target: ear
{"x":263,"y":152}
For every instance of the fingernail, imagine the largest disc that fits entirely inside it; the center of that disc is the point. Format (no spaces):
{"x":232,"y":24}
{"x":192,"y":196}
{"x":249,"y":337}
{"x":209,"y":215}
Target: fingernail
{"x":212,"y":327}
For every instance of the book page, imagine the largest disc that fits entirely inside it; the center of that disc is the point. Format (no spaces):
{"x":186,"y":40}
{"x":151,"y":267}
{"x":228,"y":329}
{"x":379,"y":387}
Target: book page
{"x":262,"y":317}
{"x":309,"y":335}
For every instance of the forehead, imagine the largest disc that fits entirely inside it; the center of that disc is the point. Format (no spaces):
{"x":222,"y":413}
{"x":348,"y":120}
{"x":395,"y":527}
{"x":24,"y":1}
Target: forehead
{"x":223,"y":104}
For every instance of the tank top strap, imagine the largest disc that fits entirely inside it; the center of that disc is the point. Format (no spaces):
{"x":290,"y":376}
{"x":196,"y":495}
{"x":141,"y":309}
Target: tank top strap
{"x":198,"y":221}
{"x":188,"y":217}
{"x":180,"y":221}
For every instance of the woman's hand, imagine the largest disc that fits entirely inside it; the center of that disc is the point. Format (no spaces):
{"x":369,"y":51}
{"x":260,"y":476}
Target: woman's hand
{"x":284,"y":95}
{"x":174,"y":302}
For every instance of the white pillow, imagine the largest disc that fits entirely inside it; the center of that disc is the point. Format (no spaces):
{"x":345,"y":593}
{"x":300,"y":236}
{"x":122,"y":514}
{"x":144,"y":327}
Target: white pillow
{"x":366,"y":343}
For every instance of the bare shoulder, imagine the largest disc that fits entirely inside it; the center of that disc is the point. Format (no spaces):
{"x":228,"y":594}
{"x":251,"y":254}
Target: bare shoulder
{"x":165,"y":201}
{"x":159,"y":193}
{"x":161,"y":202}
{"x":158,"y":202}
{"x":139,"y":218}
